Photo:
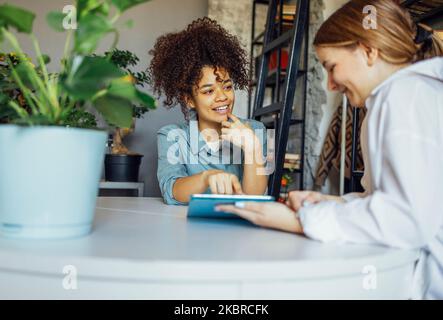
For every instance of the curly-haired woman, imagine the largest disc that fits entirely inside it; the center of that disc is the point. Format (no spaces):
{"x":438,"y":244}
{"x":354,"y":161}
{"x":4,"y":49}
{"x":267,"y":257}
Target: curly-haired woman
{"x":198,"y":69}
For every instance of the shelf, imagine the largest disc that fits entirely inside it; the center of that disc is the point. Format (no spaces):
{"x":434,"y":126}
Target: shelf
{"x":281,"y":54}
{"x":271,"y":78}
{"x":269,"y":119}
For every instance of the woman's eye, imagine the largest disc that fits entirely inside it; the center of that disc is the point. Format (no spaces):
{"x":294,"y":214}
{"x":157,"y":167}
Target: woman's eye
{"x":228,"y":87}
{"x":208,"y":92}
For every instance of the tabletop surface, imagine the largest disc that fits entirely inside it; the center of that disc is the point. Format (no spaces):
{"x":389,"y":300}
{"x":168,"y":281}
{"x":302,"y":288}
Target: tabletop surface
{"x":144,"y":233}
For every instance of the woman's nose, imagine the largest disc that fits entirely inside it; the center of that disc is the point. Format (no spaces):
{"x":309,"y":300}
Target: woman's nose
{"x":221,"y":96}
{"x":332,"y":86}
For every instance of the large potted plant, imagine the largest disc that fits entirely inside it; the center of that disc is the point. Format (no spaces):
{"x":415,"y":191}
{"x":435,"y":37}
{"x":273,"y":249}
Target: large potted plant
{"x":121,"y":164}
{"x":51,"y":153}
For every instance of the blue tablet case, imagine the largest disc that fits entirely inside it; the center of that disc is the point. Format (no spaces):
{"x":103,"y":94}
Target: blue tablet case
{"x":203,"y":205}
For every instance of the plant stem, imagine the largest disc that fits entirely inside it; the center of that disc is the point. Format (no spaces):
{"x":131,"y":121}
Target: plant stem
{"x":20,"y":111}
{"x":66,"y":49}
{"x":52,"y":95}
{"x":115,"y":18}
{"x":33,"y":74}
{"x":99,"y":94}
{"x":26,"y":93}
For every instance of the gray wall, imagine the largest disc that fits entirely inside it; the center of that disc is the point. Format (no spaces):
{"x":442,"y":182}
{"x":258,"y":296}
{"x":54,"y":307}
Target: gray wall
{"x":151,"y":20}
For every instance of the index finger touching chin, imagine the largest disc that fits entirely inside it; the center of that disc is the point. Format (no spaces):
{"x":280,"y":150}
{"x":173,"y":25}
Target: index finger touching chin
{"x":234,"y":118}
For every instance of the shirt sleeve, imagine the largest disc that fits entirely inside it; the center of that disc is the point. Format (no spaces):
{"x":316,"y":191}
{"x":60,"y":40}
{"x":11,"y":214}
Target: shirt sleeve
{"x":168,"y":171}
{"x":405,"y":211}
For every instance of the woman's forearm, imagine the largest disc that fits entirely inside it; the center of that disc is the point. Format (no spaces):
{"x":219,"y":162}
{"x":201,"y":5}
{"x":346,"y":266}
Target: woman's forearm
{"x":254,"y":180}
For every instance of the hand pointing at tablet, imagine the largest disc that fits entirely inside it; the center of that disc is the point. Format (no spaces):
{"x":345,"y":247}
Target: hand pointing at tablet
{"x":221,"y":182}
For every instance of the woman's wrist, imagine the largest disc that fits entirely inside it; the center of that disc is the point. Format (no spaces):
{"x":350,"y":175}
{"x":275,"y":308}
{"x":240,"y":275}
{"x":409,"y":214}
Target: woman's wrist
{"x":254,"y":147}
{"x":335,"y":198}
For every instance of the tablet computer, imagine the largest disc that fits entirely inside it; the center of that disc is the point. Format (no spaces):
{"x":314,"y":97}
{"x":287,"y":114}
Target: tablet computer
{"x":203,"y":205}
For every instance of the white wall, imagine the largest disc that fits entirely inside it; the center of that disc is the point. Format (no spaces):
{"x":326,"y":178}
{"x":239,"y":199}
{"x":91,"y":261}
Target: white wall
{"x":151,"y":20}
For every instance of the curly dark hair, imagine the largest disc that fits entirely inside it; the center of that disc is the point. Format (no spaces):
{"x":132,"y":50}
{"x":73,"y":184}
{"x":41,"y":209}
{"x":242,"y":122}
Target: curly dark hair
{"x":178,"y":59}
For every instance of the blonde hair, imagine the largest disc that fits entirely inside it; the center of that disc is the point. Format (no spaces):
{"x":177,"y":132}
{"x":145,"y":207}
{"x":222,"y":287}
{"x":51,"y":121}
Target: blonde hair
{"x":395,"y":34}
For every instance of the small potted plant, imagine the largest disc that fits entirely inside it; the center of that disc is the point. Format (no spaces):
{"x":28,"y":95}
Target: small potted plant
{"x":51,"y":152}
{"x":121,"y":164}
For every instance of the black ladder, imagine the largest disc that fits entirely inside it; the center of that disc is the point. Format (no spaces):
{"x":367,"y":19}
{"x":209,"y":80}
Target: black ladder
{"x":356,"y":175}
{"x":278,"y":114}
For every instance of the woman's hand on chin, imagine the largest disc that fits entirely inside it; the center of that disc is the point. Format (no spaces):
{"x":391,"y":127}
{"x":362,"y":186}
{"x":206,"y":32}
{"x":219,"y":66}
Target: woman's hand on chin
{"x":238,"y":133}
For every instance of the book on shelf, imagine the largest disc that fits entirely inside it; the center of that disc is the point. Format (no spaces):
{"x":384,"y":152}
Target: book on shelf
{"x":291,"y":166}
{"x":292,"y":161}
{"x":292,"y":156}
{"x":288,"y":12}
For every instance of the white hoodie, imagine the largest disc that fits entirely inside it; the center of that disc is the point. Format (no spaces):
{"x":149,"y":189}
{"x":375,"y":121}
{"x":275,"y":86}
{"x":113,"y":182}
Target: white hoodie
{"x":402,"y":206}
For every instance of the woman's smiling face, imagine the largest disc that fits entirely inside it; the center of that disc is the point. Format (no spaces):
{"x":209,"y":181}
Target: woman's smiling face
{"x":348,"y":72}
{"x":213,"y":97}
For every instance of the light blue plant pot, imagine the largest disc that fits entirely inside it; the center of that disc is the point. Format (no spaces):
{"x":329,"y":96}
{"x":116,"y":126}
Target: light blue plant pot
{"x":49,"y":180}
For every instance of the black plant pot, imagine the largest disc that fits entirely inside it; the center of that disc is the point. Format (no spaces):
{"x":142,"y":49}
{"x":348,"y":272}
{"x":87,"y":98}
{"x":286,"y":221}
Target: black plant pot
{"x":122,"y":168}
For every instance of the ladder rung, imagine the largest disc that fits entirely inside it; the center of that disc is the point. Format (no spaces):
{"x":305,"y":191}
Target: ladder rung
{"x":296,"y":121}
{"x":271,"y":81}
{"x":275,"y":107}
{"x":294,"y":170}
{"x":278,"y":42}
{"x":269,"y":123}
{"x":259,"y":37}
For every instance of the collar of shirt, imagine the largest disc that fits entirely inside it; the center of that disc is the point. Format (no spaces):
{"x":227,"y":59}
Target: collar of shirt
{"x":199,"y":145}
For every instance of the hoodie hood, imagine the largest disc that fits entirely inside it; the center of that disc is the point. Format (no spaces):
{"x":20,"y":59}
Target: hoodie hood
{"x":431,"y":68}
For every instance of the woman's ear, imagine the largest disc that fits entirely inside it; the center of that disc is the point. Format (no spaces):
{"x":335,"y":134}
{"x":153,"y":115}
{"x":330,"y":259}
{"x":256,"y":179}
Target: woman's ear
{"x":189,"y":102}
{"x":371,"y":54}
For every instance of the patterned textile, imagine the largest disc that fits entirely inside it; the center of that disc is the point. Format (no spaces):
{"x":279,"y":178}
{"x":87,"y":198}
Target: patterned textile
{"x":331,"y":153}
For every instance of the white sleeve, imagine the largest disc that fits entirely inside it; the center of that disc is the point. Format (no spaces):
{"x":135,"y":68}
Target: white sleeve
{"x":352,"y":196}
{"x":406,"y":210}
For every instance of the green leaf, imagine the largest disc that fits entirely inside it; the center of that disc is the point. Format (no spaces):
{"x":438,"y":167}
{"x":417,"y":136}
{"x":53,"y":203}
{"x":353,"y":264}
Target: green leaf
{"x":3,"y":99}
{"x":146,"y":100}
{"x":116,"y":111}
{"x":55,"y":20}
{"x":88,"y":76}
{"x":123,"y":5}
{"x":20,"y":19}
{"x":38,"y":119}
{"x":124,"y":89}
{"x":26,"y":73}
{"x":46,"y":58}
{"x":85,"y":7}
{"x":91,"y":30}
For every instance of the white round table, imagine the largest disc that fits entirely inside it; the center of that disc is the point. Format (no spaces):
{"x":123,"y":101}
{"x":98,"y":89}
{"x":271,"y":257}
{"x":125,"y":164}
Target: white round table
{"x":141,"y":248}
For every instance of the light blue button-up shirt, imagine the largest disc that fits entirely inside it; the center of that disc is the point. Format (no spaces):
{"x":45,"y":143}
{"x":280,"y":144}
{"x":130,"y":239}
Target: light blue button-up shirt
{"x":182,"y":152}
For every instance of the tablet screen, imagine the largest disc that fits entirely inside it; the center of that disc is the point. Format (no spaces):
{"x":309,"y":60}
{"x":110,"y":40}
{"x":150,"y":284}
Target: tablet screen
{"x":203,"y":205}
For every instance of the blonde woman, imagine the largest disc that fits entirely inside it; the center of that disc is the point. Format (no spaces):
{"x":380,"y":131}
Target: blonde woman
{"x":396,"y":72}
